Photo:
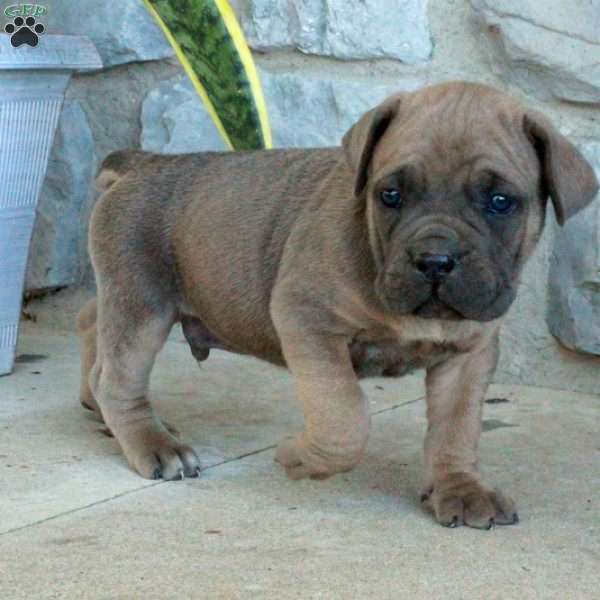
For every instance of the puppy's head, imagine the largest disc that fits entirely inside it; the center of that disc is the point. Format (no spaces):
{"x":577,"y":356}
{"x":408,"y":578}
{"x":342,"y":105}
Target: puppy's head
{"x":455,"y":180}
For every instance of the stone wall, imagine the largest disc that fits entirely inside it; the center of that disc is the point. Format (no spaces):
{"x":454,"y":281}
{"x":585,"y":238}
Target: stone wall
{"x":322,"y":64}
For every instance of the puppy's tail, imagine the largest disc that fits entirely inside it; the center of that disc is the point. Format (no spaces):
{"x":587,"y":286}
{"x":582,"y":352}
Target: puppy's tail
{"x":117,"y":164}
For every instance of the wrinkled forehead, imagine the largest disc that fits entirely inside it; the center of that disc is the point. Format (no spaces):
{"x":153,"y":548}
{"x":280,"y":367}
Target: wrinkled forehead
{"x":457,"y":135}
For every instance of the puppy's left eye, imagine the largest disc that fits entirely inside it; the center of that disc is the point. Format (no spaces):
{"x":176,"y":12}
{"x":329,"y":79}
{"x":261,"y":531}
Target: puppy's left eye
{"x":391,"y":197}
{"x":500,"y":204}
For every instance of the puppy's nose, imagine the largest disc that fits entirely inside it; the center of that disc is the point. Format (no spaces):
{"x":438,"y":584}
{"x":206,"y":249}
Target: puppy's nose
{"x":434,"y":266}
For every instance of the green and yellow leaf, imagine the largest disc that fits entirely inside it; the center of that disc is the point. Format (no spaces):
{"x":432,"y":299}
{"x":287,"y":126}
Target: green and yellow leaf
{"x":212,"y":49}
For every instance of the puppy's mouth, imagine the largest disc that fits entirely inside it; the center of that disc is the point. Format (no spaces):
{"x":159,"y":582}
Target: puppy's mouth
{"x":434,"y":308}
{"x":447,"y":300}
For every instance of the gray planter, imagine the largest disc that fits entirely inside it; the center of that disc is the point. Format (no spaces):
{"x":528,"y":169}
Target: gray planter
{"x":32,"y":86}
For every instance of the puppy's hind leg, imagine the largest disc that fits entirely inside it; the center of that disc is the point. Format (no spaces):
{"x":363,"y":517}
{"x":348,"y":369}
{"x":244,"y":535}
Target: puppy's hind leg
{"x":86,"y":324}
{"x":131,"y":332}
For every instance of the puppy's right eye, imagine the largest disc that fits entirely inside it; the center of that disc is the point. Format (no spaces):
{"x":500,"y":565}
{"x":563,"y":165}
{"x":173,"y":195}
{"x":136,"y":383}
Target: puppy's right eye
{"x":499,"y":204}
{"x":391,"y":198}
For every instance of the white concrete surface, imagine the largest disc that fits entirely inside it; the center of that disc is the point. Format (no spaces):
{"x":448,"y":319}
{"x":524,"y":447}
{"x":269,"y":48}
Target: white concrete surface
{"x":75,"y":522}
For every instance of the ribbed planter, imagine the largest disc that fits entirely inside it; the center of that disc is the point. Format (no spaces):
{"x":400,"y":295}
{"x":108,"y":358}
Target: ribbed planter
{"x":32,"y":86}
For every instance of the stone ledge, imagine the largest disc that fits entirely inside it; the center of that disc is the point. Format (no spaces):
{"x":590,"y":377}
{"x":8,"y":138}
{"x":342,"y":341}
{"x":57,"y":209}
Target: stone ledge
{"x":304,"y":111}
{"x":547,"y":46}
{"x":345,"y":30}
{"x":574,"y":283}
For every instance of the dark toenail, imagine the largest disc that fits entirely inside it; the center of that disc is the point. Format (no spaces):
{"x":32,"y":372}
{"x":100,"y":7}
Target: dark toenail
{"x":198,"y":471}
{"x":491,"y":524}
{"x":424,"y":497}
{"x":515,"y":518}
{"x":157,"y":473}
{"x":453,"y":523}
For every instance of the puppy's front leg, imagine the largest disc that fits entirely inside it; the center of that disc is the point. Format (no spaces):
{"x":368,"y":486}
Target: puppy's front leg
{"x":455,"y":394}
{"x":335,"y":409}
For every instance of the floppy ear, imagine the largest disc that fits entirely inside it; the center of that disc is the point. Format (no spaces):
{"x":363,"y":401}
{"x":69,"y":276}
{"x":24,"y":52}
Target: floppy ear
{"x":361,"y":139}
{"x":568,"y":178}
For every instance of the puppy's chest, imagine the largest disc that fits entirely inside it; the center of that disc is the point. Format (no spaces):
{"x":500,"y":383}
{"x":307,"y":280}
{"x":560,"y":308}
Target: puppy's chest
{"x":392,"y":358}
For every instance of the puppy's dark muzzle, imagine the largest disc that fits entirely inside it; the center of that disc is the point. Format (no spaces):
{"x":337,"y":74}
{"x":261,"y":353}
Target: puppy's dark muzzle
{"x":434,"y":252}
{"x":427,"y":278}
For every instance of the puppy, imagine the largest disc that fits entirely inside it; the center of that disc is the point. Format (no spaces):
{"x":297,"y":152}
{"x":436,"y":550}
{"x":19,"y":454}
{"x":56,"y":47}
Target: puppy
{"x":400,"y":250}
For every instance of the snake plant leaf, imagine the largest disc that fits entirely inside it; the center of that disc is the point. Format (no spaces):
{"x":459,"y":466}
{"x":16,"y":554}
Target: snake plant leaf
{"x":212,"y":49}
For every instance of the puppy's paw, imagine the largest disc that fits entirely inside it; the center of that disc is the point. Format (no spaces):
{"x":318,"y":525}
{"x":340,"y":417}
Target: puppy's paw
{"x":461,"y":499}
{"x":157,"y":454}
{"x":302,"y":460}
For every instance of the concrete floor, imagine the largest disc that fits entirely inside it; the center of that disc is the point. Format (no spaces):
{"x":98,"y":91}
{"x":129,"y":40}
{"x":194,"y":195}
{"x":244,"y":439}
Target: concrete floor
{"x":75,"y":522}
